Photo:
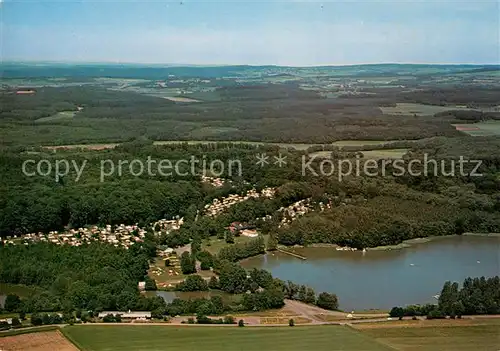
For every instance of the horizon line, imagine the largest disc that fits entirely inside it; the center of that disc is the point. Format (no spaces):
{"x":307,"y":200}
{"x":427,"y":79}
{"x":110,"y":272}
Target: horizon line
{"x":77,"y":63}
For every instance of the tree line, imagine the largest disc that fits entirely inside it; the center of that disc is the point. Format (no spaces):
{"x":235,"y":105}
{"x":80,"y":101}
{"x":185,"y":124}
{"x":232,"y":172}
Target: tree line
{"x":476,"y":296}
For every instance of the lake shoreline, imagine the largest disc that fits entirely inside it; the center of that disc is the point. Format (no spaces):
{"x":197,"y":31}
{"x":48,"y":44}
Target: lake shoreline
{"x":386,"y":278}
{"x":403,"y":245}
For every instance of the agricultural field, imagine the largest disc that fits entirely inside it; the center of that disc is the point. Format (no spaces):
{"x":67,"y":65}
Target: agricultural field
{"x":180,"y":99}
{"x":299,"y":338}
{"x":60,"y":116}
{"x":215,"y":245}
{"x":487,"y":128}
{"x":440,"y":335}
{"x":418,"y":109}
{"x":42,"y":341}
{"x":343,"y":143}
{"x":386,"y":154}
{"x":369,"y":154}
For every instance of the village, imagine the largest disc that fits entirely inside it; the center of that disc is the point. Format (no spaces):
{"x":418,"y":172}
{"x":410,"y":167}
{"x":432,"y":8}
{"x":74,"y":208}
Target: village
{"x":126,"y":235}
{"x":119,"y":235}
{"x":219,"y":206}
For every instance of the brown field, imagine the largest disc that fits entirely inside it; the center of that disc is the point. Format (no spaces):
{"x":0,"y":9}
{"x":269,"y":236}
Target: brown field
{"x":424,"y":323}
{"x":46,"y":341}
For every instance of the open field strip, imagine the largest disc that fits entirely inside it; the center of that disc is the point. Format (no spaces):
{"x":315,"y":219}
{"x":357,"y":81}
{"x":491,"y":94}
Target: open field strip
{"x":180,"y":99}
{"x":388,"y":153}
{"x":419,"y":109}
{"x":368,"y":154}
{"x":64,"y":115}
{"x":299,"y":338}
{"x":295,"y":146}
{"x":342,"y":143}
{"x":487,"y":128}
{"x":454,"y":335}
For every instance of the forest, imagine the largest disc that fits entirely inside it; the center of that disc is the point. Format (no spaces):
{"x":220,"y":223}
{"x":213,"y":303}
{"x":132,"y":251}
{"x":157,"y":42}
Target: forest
{"x":388,"y":209}
{"x":244,"y":112}
{"x":311,"y":108}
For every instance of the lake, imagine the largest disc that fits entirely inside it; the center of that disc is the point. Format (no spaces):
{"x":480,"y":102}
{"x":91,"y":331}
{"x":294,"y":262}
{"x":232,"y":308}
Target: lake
{"x":384,"y":279}
{"x":169,"y":296}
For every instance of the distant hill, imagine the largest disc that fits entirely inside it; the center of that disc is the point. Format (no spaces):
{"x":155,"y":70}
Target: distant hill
{"x":137,"y":71}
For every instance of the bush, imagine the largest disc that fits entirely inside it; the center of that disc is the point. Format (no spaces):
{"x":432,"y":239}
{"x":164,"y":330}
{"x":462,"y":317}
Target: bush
{"x":214,"y":283}
{"x":201,"y":319}
{"x":109,"y":318}
{"x":229,"y":320}
{"x":16,"y":323}
{"x":12,"y":303}
{"x":327,"y":301}
{"x":36,"y":319}
{"x":188,"y":263}
{"x":193,"y":283}
{"x":436,"y":314}
{"x":150,"y":284}
{"x":291,"y":323}
{"x":241,"y":323}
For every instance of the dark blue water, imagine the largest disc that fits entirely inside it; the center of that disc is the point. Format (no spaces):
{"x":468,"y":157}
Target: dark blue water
{"x":383,"y":279}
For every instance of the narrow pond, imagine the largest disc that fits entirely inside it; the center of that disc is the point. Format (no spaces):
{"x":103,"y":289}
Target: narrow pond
{"x":383,"y":279}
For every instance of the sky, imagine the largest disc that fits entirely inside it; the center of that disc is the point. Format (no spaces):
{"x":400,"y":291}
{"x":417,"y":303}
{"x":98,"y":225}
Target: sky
{"x":289,"y":32}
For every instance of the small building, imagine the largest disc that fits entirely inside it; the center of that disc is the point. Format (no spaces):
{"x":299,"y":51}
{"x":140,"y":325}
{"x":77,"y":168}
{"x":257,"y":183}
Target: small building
{"x":252,"y":233}
{"x":142,"y":286}
{"x":25,"y":92}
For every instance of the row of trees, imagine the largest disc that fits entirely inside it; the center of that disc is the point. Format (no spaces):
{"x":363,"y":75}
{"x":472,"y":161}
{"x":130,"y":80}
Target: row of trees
{"x":476,"y":296}
{"x":307,"y":294}
{"x":238,"y":252}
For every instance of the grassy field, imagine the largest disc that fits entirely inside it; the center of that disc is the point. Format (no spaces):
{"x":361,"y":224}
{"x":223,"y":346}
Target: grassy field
{"x":487,"y":128}
{"x":123,"y":338}
{"x":215,"y":245}
{"x":387,"y":153}
{"x":442,"y":336}
{"x":368,"y":154}
{"x":180,"y":99}
{"x":342,"y":143}
{"x":60,"y":116}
